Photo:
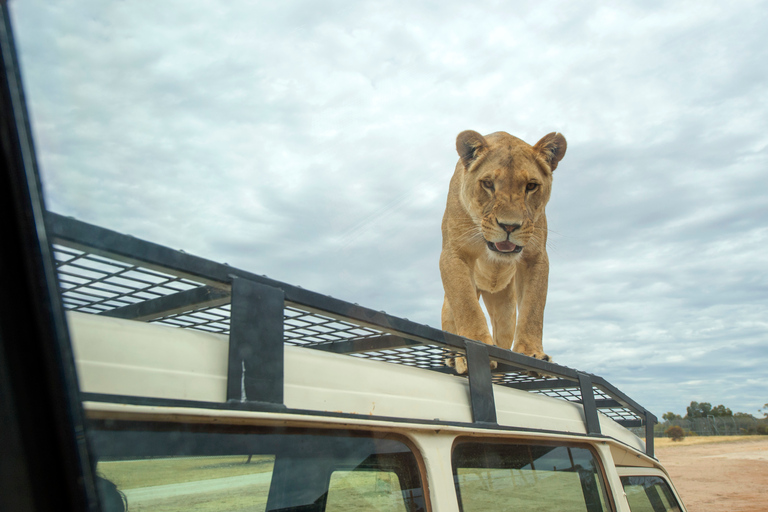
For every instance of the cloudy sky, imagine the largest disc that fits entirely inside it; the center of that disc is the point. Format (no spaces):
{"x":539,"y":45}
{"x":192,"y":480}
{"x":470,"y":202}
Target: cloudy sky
{"x":313,"y":142}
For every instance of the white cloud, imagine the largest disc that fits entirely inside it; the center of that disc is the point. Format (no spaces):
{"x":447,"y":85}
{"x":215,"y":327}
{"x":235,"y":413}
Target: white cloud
{"x":314,"y":143}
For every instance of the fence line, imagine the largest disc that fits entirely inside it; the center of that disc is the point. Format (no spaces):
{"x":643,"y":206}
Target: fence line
{"x":715,"y":426}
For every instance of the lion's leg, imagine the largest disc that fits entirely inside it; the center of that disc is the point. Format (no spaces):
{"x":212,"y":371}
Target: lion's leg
{"x":462,"y":313}
{"x":449,"y":324}
{"x":531,"y":289}
{"x":446,"y":317}
{"x":461,"y":295}
{"x":502,"y":310}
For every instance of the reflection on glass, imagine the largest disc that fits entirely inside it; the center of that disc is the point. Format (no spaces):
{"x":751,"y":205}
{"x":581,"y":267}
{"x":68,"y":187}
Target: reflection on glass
{"x":503,"y":477}
{"x":156,"y":468}
{"x":649,"y":494}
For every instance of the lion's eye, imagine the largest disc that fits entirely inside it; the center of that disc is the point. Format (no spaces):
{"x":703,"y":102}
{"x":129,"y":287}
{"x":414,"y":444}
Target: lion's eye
{"x":531,"y":186}
{"x":487,"y":184}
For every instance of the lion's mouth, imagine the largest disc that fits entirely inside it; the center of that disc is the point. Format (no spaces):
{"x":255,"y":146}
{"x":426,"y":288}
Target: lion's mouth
{"x":505,"y":247}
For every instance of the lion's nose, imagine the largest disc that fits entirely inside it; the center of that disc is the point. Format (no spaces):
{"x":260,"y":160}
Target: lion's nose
{"x":509,"y":228}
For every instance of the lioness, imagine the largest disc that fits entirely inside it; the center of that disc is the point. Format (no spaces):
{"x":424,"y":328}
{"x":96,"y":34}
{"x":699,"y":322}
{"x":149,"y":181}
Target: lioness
{"x":494,"y":240}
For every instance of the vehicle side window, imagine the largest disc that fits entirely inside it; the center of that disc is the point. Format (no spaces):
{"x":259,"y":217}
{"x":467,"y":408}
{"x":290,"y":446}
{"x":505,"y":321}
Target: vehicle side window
{"x":155,"y":467}
{"x":649,"y":494}
{"x":232,"y":482}
{"x":490,"y":476}
{"x":375,"y":490}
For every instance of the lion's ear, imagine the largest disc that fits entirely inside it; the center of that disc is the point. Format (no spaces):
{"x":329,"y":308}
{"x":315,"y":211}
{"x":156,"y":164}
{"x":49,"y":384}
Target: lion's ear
{"x":469,"y":145}
{"x":552,"y":147}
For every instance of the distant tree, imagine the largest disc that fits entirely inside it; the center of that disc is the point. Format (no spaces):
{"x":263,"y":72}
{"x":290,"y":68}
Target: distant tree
{"x":704,"y":409}
{"x":670,"y":416}
{"x":698,"y":410}
{"x":721,"y":411}
{"x":743,"y":416}
{"x":675,"y":433}
{"x":765,"y":410}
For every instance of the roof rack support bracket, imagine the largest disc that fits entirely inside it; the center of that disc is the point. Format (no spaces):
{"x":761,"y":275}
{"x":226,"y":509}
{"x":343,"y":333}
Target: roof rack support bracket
{"x":591,"y":420}
{"x":650,"y":421}
{"x":480,"y":383}
{"x":255,"y":343}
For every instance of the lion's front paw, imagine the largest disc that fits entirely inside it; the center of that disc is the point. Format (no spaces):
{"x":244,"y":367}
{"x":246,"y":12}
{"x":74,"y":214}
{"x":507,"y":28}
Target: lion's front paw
{"x":460,"y":364}
{"x":543,"y":357}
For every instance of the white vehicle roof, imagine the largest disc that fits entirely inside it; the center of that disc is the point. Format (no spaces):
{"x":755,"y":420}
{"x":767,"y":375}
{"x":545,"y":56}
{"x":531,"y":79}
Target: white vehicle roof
{"x":156,"y":327}
{"x":124,"y":357}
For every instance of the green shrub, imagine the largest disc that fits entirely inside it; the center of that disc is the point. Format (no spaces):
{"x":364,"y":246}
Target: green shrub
{"x":675,"y":433}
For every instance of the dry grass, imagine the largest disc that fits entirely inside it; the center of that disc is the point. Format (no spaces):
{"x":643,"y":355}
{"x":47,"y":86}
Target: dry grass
{"x":353,"y":490}
{"x":665,"y":442}
{"x":133,"y":474}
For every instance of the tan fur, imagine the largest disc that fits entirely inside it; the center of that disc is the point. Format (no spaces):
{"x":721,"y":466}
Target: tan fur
{"x":498,"y":193}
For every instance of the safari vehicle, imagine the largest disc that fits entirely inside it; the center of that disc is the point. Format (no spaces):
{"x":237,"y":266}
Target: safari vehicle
{"x":207,"y":387}
{"x":178,"y":383}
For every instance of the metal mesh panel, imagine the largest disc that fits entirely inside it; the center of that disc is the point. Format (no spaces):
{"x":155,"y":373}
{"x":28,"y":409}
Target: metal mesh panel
{"x":620,"y":414}
{"x":421,"y":356}
{"x":94,"y":284}
{"x":308,"y":329}
{"x":616,"y":413}
{"x":570,"y":394}
{"x":513,"y":379}
{"x":215,"y":319}
{"x":305,"y":328}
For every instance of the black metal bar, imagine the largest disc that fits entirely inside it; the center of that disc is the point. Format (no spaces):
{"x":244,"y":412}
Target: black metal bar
{"x":387,"y":341}
{"x":480,"y":384}
{"x":255,"y":343}
{"x":176,"y":402}
{"x":650,"y":421}
{"x":591,"y":420}
{"x":258,"y":406}
{"x":538,"y":385}
{"x":196,"y":298}
{"x":606,"y":403}
{"x":135,"y":251}
{"x":617,"y":395}
{"x":630,"y":423}
{"x":522,"y":362}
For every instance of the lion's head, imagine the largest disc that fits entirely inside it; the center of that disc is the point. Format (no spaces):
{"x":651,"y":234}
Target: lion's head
{"x":506,"y":185}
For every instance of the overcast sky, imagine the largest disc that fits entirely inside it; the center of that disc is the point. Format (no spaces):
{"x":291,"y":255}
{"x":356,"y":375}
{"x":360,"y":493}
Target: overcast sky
{"x":314,"y":141}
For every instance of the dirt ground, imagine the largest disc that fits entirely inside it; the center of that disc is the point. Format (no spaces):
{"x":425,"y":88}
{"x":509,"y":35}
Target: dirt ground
{"x":715,"y":474}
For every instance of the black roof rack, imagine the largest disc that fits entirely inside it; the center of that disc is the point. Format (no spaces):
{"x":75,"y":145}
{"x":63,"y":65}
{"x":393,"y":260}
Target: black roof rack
{"x":108,"y":273}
